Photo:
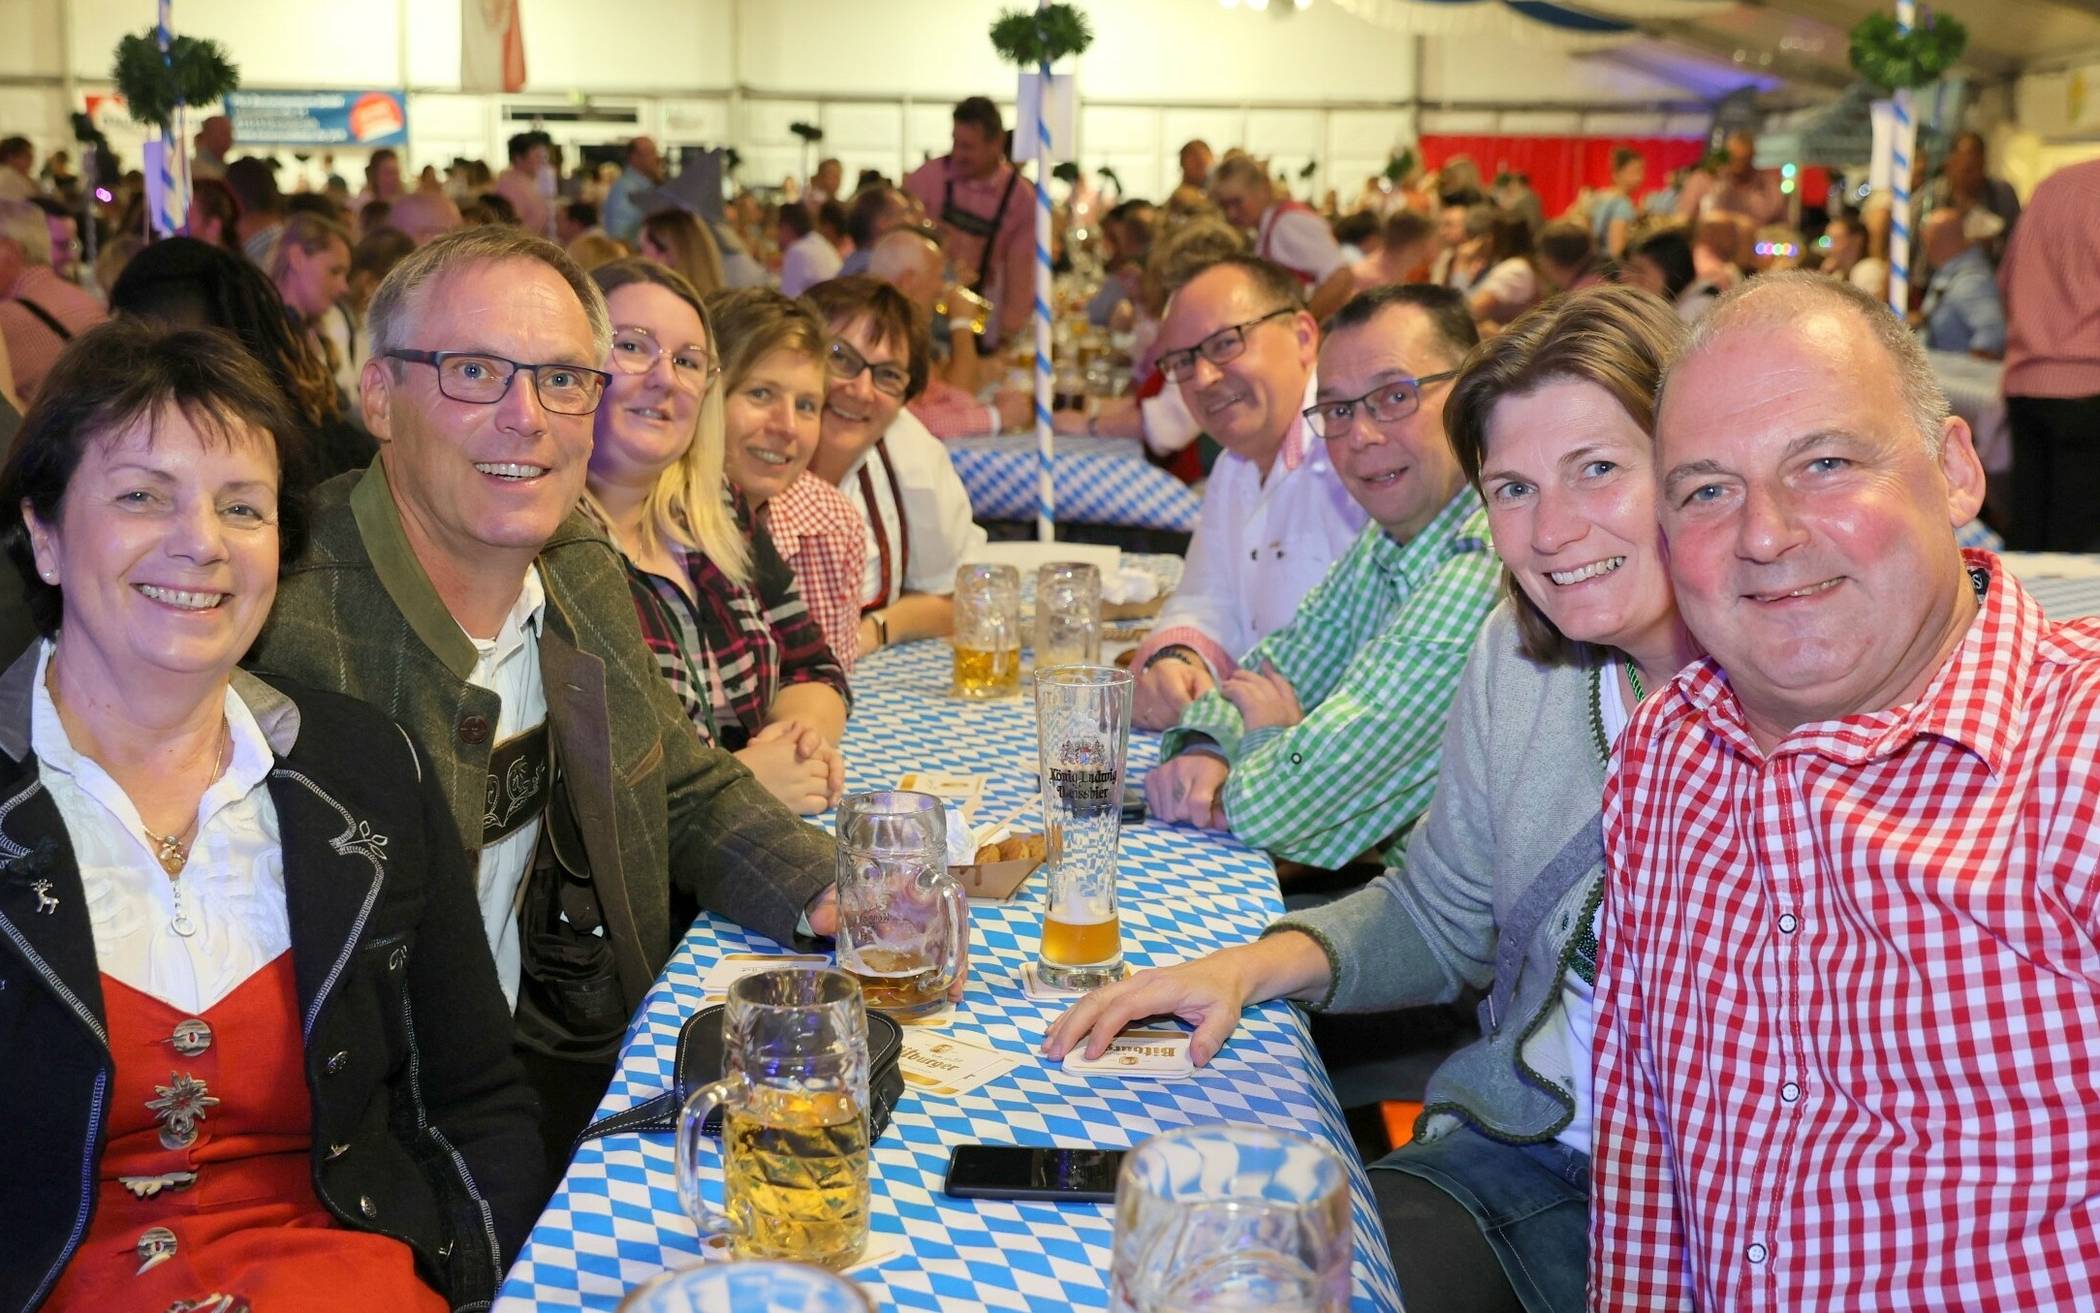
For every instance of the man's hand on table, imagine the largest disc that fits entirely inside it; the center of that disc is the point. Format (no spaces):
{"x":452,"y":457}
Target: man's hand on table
{"x":1264,"y":698}
{"x":1016,"y":409}
{"x":1188,"y":790}
{"x":822,"y":914}
{"x":1164,"y":690}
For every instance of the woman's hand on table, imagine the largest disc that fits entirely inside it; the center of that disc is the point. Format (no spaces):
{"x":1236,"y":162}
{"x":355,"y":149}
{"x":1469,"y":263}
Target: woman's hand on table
{"x":811,"y":745}
{"x":803,"y":783}
{"x":1208,"y":993}
{"x":1264,"y":698}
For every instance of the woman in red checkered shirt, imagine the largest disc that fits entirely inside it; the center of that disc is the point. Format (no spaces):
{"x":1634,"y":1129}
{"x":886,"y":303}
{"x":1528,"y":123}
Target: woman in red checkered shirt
{"x":717,"y":604}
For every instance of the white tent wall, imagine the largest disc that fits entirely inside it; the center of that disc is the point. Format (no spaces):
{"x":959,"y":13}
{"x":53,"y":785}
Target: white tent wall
{"x":1315,"y":85}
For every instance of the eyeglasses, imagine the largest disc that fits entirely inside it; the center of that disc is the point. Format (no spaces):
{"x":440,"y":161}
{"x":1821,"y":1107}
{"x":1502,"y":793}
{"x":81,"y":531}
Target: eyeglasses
{"x":481,"y":379}
{"x":636,"y":351}
{"x":845,"y":363}
{"x":1388,"y":403}
{"x":1219,"y":347}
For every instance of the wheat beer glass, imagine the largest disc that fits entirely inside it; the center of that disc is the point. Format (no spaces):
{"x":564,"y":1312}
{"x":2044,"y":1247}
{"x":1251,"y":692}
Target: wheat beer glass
{"x":902,"y":917}
{"x":794,"y":1102}
{"x":1067,"y":614}
{"x":755,"y":1287}
{"x":1231,"y":1219}
{"x":987,"y":631}
{"x":1082,"y":718}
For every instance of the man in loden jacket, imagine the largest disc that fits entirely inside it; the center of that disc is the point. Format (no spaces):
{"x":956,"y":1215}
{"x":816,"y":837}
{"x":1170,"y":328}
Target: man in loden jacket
{"x":453,"y":586}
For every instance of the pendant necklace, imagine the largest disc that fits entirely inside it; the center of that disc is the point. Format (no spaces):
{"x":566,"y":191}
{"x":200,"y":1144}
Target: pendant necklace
{"x":173,"y":854}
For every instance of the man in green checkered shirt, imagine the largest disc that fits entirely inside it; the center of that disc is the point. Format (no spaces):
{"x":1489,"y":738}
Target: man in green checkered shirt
{"x":1324,"y":745}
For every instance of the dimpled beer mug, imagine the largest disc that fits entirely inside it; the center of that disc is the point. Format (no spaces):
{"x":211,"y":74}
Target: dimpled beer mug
{"x":794,"y":1101}
{"x":1067,"y":614}
{"x":1082,"y":718}
{"x":902,"y":917}
{"x":1231,"y":1219}
{"x":987,"y":631}
{"x":759,"y":1287}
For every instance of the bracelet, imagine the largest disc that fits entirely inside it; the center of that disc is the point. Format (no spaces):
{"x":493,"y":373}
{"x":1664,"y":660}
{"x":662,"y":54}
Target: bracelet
{"x":882,"y":629}
{"x":1181,"y":652}
{"x":1091,"y":431}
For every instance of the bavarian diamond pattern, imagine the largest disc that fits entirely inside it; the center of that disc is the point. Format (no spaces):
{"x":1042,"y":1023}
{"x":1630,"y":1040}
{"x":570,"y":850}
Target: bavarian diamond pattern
{"x":1097,"y":481}
{"x":616,"y":1219}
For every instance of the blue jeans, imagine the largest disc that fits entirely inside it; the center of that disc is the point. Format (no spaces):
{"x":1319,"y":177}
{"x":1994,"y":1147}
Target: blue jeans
{"x":1531,"y":1202}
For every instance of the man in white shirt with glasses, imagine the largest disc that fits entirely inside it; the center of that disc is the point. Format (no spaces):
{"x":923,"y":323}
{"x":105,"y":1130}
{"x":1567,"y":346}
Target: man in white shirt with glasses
{"x":1239,"y":343}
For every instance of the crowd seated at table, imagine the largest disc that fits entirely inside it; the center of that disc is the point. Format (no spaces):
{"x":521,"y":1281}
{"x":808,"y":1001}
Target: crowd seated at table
{"x":435,"y":608}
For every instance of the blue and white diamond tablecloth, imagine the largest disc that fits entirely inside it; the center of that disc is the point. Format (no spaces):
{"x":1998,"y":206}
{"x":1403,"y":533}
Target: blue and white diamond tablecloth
{"x":1098,"y":481}
{"x":616,"y":1220}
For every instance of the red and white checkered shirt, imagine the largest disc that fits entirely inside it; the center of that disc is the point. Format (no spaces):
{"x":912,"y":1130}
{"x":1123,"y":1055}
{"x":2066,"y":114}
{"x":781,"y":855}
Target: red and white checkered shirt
{"x":819,"y":533}
{"x":1848,"y":1033}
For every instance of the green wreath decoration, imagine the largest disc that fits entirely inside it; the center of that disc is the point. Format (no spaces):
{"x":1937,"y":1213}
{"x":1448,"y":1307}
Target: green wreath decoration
{"x":1035,"y":37}
{"x":193,"y":72}
{"x":1891,"y":59}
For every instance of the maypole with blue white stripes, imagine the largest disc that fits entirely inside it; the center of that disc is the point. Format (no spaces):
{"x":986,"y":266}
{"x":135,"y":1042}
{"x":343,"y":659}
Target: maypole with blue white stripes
{"x":173,"y":212}
{"x":1032,"y":42}
{"x":1045,"y":439}
{"x":1905,"y":148}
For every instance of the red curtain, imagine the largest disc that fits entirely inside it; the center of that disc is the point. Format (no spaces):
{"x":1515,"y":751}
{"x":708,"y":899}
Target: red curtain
{"x":1560,"y":167}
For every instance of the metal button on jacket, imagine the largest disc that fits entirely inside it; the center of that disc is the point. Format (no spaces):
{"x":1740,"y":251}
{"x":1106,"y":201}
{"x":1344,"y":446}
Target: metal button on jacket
{"x":367,"y":1207}
{"x":192,"y":1036}
{"x":336,"y":1062}
{"x":155,"y":1246}
{"x":474,"y":729}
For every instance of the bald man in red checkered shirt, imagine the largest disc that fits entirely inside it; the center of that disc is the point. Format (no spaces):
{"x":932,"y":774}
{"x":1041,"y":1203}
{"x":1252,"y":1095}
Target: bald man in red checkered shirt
{"x":1848,"y":1034}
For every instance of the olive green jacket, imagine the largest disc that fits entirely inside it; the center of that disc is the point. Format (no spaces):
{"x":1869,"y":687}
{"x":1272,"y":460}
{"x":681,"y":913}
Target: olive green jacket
{"x":635,"y":789}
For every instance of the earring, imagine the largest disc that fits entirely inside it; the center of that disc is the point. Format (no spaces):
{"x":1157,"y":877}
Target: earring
{"x":50,"y":576}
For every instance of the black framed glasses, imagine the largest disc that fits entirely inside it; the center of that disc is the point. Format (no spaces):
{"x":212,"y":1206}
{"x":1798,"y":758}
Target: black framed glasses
{"x":693,"y":367}
{"x":483,"y":379}
{"x":844,"y":363}
{"x":1388,"y":403}
{"x":1219,"y":347}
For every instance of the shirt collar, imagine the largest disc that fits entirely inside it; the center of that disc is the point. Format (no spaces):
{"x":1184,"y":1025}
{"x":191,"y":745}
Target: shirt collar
{"x":1298,"y":440}
{"x":1976,"y":699}
{"x":249,"y":764}
{"x":1460,"y":526}
{"x":526,"y":615}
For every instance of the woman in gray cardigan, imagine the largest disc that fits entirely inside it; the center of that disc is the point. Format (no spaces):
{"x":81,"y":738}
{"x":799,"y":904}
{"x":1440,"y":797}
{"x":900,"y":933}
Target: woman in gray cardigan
{"x":1488,"y":1207}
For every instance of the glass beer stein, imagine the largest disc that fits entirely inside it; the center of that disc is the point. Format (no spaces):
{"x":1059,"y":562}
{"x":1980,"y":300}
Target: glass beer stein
{"x":794,"y":1101}
{"x":1083,"y":736}
{"x":902,"y":917}
{"x":753,"y":1287}
{"x":987,"y":631}
{"x":1231,"y":1219}
{"x":1067,"y":614}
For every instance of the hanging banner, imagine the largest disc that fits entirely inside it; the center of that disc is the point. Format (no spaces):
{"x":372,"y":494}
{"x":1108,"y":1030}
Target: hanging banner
{"x":491,"y":46}
{"x":318,"y":118}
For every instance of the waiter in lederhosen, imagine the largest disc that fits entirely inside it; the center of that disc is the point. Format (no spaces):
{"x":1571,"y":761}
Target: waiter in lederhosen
{"x":986,"y":211}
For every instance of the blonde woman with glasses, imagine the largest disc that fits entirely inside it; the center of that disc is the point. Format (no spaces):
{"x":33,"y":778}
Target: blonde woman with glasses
{"x":718,"y":607}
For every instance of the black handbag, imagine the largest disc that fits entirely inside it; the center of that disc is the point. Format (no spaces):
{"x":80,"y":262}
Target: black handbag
{"x":699,"y":1062}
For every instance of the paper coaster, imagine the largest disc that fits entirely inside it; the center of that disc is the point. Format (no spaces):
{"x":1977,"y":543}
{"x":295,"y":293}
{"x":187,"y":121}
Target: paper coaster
{"x":948,"y":1065}
{"x":1032,"y":985}
{"x":1155,"y":1054}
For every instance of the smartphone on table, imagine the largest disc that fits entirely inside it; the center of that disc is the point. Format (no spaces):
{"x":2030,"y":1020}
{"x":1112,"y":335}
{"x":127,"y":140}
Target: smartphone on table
{"x":1010,"y":1171}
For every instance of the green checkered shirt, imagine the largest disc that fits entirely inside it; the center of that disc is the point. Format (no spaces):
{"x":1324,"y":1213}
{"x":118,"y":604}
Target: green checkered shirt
{"x":1374,"y":653}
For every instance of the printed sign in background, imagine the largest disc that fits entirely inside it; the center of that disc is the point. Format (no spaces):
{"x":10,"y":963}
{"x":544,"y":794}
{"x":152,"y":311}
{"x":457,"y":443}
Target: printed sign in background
{"x":318,"y":118}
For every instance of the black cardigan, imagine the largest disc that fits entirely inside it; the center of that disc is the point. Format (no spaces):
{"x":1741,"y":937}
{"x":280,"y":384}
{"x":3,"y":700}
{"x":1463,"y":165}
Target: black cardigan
{"x":423,"y":1125}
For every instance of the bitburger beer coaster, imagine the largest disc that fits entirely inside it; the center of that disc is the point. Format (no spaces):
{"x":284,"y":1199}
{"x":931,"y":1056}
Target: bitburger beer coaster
{"x":1160,"y":1054}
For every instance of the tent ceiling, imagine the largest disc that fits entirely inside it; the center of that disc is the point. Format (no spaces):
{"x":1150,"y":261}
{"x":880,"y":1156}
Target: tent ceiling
{"x":1803,"y":42}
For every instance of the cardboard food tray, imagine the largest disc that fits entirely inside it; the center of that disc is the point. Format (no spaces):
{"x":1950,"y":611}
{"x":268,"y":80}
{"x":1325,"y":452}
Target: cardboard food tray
{"x":995,"y":882}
